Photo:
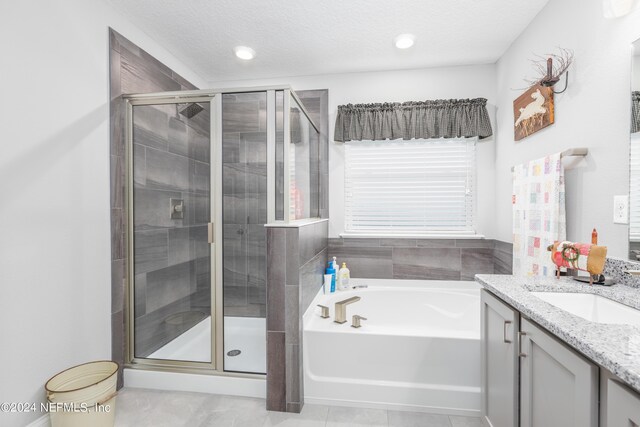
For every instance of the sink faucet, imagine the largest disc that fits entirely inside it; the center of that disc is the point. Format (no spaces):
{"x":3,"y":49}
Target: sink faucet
{"x":341,"y":309}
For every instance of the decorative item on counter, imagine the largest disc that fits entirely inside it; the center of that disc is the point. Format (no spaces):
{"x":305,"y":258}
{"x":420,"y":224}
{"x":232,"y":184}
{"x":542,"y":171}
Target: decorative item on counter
{"x":579,"y":256}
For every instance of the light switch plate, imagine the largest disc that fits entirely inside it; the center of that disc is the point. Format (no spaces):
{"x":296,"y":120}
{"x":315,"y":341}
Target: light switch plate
{"x":621,"y":209}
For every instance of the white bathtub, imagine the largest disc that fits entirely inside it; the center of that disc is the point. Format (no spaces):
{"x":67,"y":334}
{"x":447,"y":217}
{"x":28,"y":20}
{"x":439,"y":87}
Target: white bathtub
{"x":418,"y":350}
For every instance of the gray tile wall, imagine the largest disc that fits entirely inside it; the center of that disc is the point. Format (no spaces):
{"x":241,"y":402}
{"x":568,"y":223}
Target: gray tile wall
{"x":132,"y":70}
{"x":295,"y":264}
{"x":429,"y":259}
{"x":244,"y":205}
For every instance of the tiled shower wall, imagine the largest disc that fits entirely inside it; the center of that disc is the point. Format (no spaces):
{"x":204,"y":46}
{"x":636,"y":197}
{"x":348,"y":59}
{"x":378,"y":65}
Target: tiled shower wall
{"x":244,"y":188}
{"x":429,"y":259}
{"x":132,"y":70}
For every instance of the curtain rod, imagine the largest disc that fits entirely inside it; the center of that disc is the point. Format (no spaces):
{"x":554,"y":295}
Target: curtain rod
{"x":571,"y":152}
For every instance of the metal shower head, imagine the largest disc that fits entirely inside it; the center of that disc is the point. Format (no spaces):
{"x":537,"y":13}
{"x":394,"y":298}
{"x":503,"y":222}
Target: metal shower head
{"x":191,"y":110}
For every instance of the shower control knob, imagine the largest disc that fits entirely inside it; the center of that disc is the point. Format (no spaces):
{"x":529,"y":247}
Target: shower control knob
{"x":176,"y":208}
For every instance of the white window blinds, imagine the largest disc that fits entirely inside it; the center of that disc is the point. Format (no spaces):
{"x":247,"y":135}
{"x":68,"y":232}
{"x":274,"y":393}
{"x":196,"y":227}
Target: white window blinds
{"x":410,"y":187}
{"x":634,"y":189}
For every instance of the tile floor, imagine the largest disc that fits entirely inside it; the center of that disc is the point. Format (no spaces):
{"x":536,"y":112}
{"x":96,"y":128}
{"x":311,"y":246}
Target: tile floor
{"x":142,"y":408}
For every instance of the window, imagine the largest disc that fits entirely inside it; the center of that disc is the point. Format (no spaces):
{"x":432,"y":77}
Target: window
{"x":410,"y":187}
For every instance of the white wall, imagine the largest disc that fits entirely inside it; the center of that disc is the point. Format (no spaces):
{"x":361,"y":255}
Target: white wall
{"x":389,"y":86}
{"x":54,"y":181}
{"x":593,"y":113}
{"x":635,"y":77}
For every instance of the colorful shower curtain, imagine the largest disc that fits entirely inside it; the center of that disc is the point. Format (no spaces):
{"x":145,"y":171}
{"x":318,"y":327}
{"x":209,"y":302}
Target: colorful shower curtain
{"x":539,"y":217}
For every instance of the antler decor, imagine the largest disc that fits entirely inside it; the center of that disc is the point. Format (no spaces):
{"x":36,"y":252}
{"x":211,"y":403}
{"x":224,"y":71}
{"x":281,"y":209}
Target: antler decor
{"x":550,"y":69}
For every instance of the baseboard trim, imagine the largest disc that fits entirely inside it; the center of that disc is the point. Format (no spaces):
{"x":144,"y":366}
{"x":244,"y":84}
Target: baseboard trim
{"x":43,"y":421}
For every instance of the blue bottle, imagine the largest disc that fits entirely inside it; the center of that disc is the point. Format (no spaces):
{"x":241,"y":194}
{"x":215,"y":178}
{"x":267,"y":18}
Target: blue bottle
{"x":332,"y":271}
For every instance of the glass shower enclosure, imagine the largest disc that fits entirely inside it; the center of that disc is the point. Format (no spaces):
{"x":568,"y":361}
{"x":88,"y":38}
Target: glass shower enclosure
{"x":206,"y":171}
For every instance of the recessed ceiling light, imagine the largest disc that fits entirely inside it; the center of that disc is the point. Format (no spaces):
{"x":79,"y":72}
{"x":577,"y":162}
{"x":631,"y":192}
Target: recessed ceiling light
{"x":244,"y":52}
{"x":404,"y":41}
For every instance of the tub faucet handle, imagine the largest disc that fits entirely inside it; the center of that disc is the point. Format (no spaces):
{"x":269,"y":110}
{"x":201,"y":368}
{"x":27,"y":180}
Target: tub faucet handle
{"x":355,"y":320}
{"x":324,"y":311}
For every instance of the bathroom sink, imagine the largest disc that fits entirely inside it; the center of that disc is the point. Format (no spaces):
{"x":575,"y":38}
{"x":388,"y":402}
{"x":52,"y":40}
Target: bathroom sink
{"x":593,"y":308}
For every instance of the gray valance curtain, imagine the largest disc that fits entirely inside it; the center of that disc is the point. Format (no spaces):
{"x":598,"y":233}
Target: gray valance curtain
{"x":635,"y":112}
{"x":446,"y":118}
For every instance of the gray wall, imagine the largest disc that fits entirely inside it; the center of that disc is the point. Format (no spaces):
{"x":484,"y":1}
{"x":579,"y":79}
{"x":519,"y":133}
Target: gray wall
{"x":132,"y":70}
{"x":429,"y":259}
{"x":295,"y":266}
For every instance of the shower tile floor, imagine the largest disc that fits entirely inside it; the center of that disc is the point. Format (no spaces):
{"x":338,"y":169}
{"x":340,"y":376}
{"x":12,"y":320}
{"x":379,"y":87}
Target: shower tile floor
{"x":154,"y":408}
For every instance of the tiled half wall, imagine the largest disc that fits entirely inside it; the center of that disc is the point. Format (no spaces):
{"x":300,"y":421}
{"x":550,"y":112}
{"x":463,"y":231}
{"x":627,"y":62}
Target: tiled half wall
{"x":296,"y":257}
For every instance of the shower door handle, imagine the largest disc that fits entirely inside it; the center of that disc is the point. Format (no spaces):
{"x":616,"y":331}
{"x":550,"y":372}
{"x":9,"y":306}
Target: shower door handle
{"x":211,"y":233}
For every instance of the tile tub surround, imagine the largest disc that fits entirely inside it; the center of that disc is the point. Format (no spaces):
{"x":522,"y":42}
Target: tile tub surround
{"x":132,"y":70}
{"x":296,"y":256}
{"x":428,"y":259}
{"x":614,"y":347}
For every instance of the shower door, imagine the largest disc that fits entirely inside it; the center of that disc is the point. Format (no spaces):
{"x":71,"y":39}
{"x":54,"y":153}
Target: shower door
{"x":171,"y":233}
{"x":245,"y":129}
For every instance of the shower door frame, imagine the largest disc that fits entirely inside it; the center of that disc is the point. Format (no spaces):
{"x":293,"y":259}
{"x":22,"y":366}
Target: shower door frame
{"x":214,"y":97}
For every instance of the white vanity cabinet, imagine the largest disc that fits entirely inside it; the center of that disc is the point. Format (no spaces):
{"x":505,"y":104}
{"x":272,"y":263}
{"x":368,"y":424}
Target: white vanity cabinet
{"x":499,"y":325}
{"x":530,"y":378}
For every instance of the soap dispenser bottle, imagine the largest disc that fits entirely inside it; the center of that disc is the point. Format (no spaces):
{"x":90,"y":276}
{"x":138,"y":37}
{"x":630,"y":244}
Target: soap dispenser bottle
{"x":344,"y":277}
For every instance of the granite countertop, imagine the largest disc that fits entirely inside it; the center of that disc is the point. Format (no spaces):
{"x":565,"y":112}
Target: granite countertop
{"x":614,"y":347}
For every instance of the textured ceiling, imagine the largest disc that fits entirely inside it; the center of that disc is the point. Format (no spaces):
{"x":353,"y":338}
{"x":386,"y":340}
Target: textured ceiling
{"x":307,"y":37}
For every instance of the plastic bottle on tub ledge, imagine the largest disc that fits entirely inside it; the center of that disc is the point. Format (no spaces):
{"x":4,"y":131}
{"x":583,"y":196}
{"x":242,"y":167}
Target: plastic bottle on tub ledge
{"x":330,"y":270}
{"x":344,"y":277}
{"x":326,"y":285}
{"x":334,"y":264}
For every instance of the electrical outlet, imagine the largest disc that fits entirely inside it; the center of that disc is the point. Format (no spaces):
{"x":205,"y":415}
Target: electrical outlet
{"x":621,"y":209}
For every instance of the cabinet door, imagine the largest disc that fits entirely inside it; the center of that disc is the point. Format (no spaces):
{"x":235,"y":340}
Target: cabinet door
{"x":558,"y":387}
{"x":623,"y":405}
{"x":500,"y":325}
